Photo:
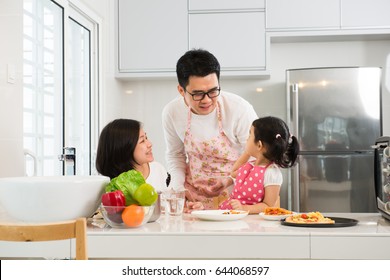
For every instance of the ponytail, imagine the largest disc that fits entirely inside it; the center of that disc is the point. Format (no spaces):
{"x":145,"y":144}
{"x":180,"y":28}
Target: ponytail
{"x":291,"y":154}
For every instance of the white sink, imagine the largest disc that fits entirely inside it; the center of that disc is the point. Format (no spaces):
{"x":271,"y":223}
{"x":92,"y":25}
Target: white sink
{"x":50,"y":198}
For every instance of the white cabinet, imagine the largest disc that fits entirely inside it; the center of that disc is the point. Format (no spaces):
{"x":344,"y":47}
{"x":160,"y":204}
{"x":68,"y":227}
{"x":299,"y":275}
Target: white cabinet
{"x":152,"y":35}
{"x":302,"y":14}
{"x":131,"y":245}
{"x":237,"y":39}
{"x":336,"y":247}
{"x":234,"y":31}
{"x":365,"y":13}
{"x":63,"y":249}
{"x":194,"y":5}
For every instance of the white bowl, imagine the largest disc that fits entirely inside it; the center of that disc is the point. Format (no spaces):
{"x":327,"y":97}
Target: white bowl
{"x":51,"y":198}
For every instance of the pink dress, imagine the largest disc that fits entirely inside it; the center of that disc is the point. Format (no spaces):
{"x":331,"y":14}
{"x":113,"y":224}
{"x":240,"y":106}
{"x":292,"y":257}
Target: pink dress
{"x":209,"y":165}
{"x":249,"y":187}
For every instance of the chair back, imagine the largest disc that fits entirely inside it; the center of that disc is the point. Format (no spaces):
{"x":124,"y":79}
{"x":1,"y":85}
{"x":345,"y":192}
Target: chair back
{"x":49,"y":231}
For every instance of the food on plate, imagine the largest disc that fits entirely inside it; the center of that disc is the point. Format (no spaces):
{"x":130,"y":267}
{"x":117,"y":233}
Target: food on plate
{"x":133,"y":215}
{"x":276,"y":211}
{"x":309,"y":218}
{"x":231,"y":212}
{"x":129,"y":182}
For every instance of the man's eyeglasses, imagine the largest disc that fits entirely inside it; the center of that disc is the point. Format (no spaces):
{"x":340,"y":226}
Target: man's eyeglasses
{"x":199,"y":95}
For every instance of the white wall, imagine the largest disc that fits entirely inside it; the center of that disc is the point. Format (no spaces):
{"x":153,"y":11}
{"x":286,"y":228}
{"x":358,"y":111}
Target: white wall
{"x":11,"y":94}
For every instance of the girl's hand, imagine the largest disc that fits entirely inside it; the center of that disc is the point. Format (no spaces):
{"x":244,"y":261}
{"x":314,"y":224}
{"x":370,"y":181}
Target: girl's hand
{"x":191,"y":206}
{"x":236,"y":205}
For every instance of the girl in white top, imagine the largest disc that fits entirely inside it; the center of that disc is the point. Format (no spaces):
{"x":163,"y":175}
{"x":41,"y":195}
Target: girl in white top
{"x":257,"y":184}
{"x":124,"y":145}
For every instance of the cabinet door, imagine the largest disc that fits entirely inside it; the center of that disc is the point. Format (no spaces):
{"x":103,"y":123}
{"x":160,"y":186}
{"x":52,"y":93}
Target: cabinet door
{"x":303,"y":14}
{"x":152,"y":35}
{"x":236,"y":39}
{"x":350,"y":246}
{"x":365,"y":13}
{"x":194,"y":5}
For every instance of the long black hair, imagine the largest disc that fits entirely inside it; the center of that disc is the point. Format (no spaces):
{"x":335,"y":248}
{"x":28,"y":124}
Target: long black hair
{"x":117,"y":142}
{"x":282,"y":148}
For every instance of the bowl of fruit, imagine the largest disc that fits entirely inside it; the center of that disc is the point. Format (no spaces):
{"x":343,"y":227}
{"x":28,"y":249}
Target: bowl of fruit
{"x":126,"y":216}
{"x":128,"y":201}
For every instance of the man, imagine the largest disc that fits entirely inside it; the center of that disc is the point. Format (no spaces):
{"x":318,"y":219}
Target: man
{"x":205,"y":131}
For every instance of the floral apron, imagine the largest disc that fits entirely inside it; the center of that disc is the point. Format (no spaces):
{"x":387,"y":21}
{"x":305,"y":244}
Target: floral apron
{"x":209,"y":165}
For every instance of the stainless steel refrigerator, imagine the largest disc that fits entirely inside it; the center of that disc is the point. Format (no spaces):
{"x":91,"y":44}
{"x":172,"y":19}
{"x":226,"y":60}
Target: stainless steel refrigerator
{"x":336,"y":115}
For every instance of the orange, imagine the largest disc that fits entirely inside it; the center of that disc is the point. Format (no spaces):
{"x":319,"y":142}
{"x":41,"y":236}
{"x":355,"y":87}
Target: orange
{"x":133,"y":215}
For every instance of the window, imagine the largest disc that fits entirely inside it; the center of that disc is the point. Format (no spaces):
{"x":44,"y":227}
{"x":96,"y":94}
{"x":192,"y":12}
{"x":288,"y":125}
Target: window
{"x":60,"y":85}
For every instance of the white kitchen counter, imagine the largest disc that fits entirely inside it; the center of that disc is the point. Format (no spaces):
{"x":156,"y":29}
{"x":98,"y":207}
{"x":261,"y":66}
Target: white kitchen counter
{"x":250,"y":238}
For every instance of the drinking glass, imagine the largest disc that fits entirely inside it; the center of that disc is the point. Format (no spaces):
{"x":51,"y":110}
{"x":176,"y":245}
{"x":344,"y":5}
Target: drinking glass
{"x":174,"y":202}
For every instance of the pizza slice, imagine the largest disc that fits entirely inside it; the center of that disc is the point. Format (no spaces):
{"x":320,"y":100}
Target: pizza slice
{"x":276,"y":211}
{"x":309,"y":218}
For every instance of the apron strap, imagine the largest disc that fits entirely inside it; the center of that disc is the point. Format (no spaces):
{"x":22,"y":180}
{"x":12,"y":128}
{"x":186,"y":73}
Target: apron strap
{"x":188,"y":119}
{"x":219,"y":116}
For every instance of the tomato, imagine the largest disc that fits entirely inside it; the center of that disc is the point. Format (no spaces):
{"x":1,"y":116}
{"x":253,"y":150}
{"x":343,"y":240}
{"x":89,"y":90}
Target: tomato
{"x":304,"y":216}
{"x":133,"y":215}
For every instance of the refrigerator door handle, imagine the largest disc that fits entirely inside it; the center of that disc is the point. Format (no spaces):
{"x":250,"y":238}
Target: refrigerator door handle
{"x":294,"y":179}
{"x":295,"y":195}
{"x":294,"y":108}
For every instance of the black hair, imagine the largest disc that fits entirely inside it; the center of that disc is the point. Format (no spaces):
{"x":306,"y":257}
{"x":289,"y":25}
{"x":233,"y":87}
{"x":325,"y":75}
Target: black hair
{"x":196,"y":62}
{"x":117,"y":142}
{"x":282,"y":148}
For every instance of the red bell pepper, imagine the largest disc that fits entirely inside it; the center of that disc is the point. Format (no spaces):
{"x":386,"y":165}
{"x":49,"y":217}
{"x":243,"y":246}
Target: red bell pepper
{"x":115,"y":198}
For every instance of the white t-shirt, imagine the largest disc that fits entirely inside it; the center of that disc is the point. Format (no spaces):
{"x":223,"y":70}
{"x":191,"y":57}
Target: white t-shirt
{"x":273,"y":176}
{"x":157,"y":176}
{"x":237,"y":117}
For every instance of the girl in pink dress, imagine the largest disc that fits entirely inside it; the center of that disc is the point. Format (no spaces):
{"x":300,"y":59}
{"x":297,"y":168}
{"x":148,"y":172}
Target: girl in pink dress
{"x":258,"y":183}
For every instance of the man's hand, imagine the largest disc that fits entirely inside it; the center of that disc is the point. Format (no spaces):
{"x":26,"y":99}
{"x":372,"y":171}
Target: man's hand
{"x":191,"y":206}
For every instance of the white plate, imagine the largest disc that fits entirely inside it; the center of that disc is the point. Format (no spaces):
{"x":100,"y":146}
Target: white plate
{"x":274,"y":217}
{"x":217,"y":215}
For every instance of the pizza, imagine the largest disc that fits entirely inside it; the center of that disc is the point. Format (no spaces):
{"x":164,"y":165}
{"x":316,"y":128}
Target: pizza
{"x":276,"y":211}
{"x":309,"y":218}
